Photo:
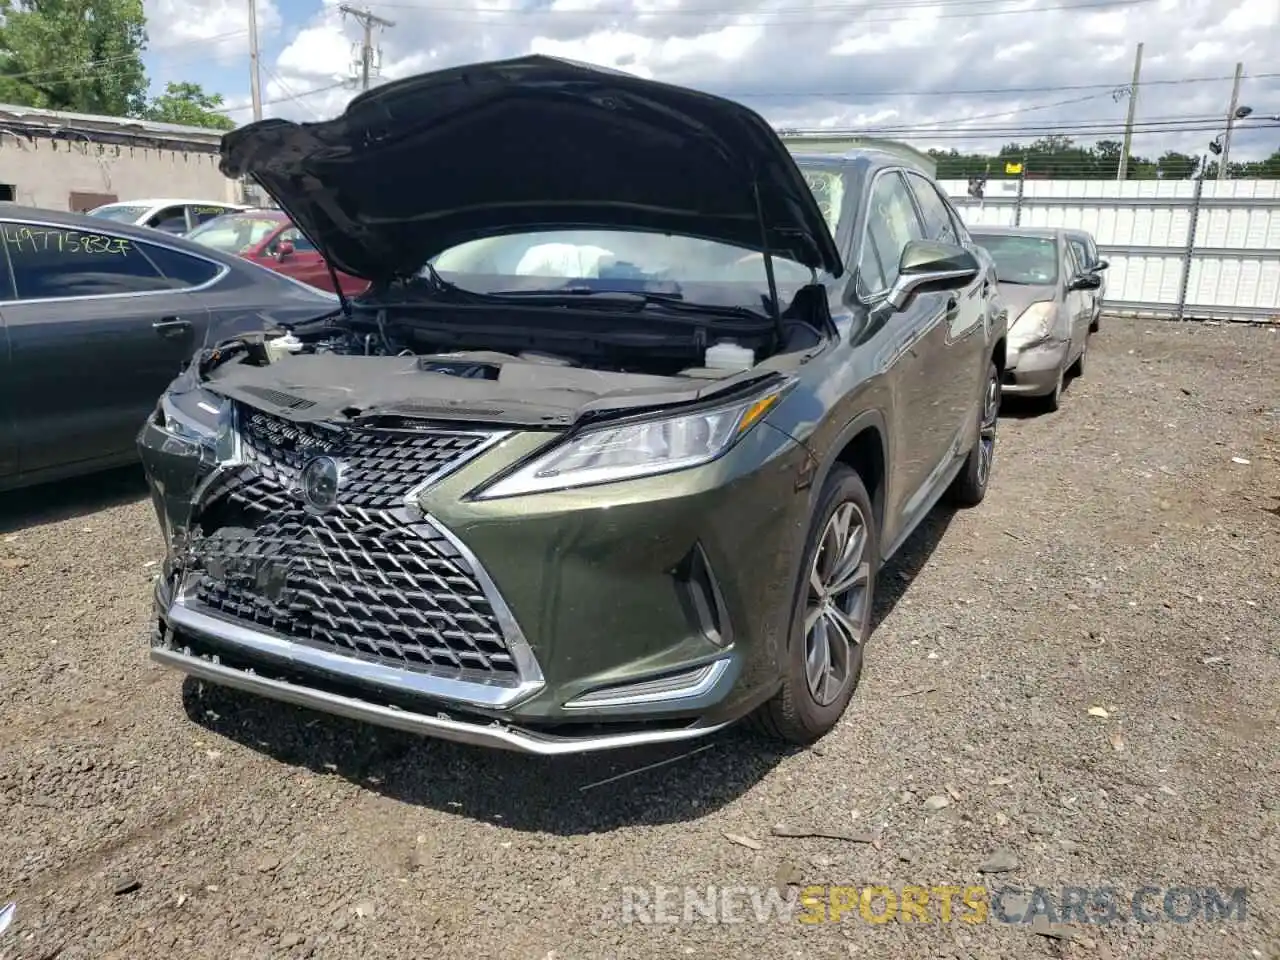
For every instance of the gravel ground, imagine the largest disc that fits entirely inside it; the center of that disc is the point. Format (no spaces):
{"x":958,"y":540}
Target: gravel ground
{"x":1123,"y":561}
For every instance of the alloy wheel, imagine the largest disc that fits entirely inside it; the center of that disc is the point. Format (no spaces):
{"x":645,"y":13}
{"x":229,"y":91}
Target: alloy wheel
{"x":836,"y":610}
{"x":987,"y":430}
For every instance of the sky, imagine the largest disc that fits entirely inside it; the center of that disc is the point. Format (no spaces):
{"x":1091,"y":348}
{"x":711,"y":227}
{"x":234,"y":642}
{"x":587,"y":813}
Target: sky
{"x":962,"y":74}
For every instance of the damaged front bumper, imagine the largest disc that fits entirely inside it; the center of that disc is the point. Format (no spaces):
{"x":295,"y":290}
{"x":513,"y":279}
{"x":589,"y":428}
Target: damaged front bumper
{"x":642,"y":613}
{"x":1033,"y":371}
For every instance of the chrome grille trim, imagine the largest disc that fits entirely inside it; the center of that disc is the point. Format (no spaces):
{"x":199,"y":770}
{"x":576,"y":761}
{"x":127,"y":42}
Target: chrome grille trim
{"x":419,"y":617}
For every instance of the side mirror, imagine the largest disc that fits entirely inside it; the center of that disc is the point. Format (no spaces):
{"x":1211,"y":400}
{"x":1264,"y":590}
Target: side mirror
{"x":928,"y":265}
{"x":1085,"y":281}
{"x":284,"y":249}
{"x":1100,"y":265}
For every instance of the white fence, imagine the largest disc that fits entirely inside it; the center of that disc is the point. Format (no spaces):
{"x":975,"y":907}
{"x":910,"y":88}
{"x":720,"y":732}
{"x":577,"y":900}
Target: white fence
{"x":1177,"y":248}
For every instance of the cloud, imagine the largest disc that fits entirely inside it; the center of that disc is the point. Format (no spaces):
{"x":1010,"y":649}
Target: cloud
{"x":188,"y":30}
{"x":968,"y":74}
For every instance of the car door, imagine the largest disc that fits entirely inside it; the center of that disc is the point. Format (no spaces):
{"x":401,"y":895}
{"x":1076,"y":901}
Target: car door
{"x":963,"y":371}
{"x":304,"y":263}
{"x":1095,"y":264}
{"x":1084,"y":264}
{"x":1079,"y":303}
{"x":96,"y":331}
{"x":8,"y":441}
{"x":914,"y":345}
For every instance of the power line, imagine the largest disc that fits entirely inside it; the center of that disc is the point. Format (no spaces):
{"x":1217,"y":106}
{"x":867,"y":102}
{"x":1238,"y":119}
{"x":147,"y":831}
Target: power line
{"x":106,"y":61}
{"x":368,"y":20}
{"x":511,"y":18}
{"x":1098,"y":132}
{"x":996,"y":91}
{"x":295,"y":96}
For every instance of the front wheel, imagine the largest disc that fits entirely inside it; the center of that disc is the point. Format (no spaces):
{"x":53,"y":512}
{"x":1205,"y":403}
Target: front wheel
{"x":970,"y":485}
{"x":831,"y":614}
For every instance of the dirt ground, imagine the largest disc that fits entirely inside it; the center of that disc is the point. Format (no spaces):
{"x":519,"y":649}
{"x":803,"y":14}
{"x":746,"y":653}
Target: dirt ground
{"x":1074,"y":685}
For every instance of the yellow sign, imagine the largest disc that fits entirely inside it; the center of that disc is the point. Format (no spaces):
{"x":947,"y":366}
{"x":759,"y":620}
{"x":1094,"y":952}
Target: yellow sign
{"x":1014,"y":168}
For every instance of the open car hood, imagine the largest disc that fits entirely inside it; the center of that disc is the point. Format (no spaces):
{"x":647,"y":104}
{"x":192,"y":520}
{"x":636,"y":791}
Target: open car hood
{"x":420,"y":165}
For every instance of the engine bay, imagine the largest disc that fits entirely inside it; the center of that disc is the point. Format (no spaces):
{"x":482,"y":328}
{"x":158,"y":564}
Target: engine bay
{"x":534,"y":367}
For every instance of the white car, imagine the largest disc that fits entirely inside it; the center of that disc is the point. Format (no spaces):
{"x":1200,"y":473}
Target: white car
{"x":167,"y":214}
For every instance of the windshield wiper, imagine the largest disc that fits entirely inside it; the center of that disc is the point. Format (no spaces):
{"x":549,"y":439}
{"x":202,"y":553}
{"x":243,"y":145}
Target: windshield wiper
{"x":671,"y":300}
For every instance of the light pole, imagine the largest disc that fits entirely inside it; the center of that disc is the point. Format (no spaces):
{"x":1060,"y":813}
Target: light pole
{"x":1220,"y":146}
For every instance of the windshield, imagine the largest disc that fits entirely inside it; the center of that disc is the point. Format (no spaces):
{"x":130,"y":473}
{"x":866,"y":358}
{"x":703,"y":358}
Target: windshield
{"x":1030,"y":260}
{"x":123,"y":213}
{"x":615,"y":260}
{"x":235,"y":232}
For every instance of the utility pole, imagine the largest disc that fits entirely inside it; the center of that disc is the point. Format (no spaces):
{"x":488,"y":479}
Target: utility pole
{"x":368,"y":20}
{"x":1133,"y":109}
{"x":1231,"y":122}
{"x":255,"y":81}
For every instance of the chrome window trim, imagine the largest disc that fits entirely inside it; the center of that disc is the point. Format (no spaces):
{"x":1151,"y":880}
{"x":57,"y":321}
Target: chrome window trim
{"x":872,"y":297}
{"x":941,"y":199}
{"x":223,"y":269}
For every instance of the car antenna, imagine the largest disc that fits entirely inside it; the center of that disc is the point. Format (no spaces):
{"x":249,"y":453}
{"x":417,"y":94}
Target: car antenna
{"x":774,"y":301}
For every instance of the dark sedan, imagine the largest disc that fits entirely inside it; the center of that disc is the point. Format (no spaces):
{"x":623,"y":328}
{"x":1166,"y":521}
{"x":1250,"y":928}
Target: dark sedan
{"x":96,"y":318}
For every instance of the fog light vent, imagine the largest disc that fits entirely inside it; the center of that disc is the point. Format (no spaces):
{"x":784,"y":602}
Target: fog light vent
{"x":701,"y":598}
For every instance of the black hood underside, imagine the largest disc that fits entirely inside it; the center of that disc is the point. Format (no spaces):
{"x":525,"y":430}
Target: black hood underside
{"x":420,"y":165}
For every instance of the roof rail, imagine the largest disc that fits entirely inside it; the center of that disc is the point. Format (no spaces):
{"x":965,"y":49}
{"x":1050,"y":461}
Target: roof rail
{"x":818,"y":141}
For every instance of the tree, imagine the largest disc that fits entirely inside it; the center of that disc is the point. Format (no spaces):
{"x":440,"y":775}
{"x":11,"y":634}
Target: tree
{"x":83,"y":56}
{"x":188,"y":104}
{"x":1177,"y":166}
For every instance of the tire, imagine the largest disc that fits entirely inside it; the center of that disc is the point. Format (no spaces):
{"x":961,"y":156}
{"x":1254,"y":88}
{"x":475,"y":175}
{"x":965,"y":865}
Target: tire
{"x":1097,"y":322}
{"x":970,"y":485}
{"x":1077,"y":369}
{"x":797,"y":713}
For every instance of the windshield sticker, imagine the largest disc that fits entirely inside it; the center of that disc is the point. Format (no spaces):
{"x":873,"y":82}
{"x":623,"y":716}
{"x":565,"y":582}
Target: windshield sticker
{"x":22,"y":239}
{"x":828,"y":189}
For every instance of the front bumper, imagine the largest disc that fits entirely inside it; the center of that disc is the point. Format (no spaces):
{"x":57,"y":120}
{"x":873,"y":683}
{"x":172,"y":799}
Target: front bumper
{"x":1033,"y":371}
{"x":592,"y":587}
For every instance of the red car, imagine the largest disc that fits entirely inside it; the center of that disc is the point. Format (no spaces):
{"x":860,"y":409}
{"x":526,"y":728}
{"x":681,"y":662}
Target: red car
{"x":269,"y":239}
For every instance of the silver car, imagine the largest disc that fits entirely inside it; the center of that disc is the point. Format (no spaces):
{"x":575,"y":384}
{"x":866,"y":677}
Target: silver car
{"x":1050,"y":298}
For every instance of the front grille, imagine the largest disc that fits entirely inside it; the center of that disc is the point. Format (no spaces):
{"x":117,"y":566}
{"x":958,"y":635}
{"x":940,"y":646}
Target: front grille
{"x":370,"y":578}
{"x":382,"y":466}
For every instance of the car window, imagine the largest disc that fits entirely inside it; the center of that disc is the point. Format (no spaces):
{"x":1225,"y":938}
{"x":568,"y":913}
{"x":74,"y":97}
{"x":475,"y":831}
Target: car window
{"x":184,"y":269}
{"x":124,"y":213}
{"x":1022,"y":259}
{"x":892,"y":223}
{"x":235,"y":232}
{"x":61,"y":262}
{"x":170,"y":220}
{"x":1081,"y":254}
{"x":937,"y":219}
{"x":827,"y":187}
{"x":957,"y":222}
{"x":203,"y":213}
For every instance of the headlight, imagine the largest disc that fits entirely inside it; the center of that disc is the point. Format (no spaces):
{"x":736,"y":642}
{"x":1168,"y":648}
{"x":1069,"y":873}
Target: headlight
{"x":198,"y":424}
{"x":1034,"y":325}
{"x":638,"y":449}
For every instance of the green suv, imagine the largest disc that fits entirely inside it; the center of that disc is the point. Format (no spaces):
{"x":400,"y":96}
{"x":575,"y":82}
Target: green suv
{"x":613,"y":447}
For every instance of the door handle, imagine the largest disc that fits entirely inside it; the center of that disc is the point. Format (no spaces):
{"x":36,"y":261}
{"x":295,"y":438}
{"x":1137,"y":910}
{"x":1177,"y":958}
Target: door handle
{"x":172,"y":327}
